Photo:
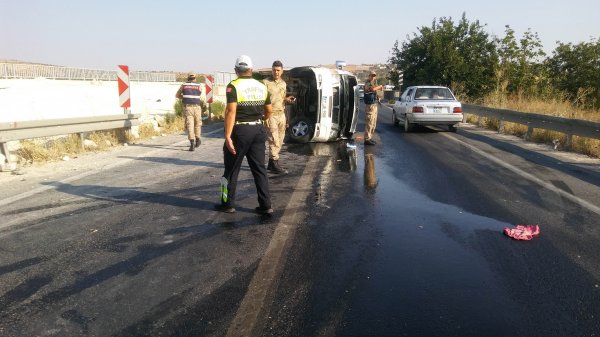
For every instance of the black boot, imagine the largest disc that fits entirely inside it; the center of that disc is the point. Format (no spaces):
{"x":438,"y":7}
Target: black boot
{"x":192,"y":148}
{"x":270,"y":165}
{"x":275,"y":168}
{"x":198,"y":142}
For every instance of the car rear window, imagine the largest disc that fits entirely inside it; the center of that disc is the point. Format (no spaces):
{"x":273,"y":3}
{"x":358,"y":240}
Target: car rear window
{"x":433,"y":94}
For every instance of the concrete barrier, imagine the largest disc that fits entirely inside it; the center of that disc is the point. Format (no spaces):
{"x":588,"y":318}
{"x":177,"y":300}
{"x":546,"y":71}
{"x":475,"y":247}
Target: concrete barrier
{"x":41,"y":99}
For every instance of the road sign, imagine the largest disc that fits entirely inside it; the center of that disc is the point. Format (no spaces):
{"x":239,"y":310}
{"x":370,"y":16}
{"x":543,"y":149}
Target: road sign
{"x":123,"y":79}
{"x":209,"y":84}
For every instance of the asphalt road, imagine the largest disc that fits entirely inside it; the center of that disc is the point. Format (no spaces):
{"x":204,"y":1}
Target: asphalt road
{"x":412,"y":244}
{"x":400,"y":239}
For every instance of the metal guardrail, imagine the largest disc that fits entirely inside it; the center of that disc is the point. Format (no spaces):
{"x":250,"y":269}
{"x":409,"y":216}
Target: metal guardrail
{"x":54,"y":127}
{"x":570,"y":127}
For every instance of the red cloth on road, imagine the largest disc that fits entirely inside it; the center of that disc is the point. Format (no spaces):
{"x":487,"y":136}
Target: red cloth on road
{"x":522,"y":232}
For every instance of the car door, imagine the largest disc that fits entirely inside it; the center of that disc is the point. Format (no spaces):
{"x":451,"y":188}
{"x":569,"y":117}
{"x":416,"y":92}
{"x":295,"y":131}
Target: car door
{"x":405,"y":103}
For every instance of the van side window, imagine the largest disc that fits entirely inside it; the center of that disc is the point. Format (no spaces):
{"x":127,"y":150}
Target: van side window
{"x":336,"y":105}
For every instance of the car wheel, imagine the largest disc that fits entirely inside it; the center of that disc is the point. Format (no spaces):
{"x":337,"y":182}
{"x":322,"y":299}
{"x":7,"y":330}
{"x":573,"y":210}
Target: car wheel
{"x":300,"y":131}
{"x":394,"y":118}
{"x":452,"y":128}
{"x":407,"y":125}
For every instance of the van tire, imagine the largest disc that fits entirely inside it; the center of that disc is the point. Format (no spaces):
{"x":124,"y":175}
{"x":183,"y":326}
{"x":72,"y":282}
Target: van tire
{"x":300,"y":131}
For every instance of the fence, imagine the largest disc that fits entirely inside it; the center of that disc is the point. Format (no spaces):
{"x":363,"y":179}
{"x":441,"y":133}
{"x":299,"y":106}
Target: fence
{"x":570,"y":127}
{"x":23,"y":70}
{"x":223,"y":77}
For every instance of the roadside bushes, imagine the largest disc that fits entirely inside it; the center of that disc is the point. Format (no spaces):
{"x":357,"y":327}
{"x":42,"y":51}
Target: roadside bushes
{"x":217,"y":111}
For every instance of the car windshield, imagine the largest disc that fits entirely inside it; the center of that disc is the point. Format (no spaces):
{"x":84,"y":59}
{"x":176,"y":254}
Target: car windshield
{"x":433,"y":94}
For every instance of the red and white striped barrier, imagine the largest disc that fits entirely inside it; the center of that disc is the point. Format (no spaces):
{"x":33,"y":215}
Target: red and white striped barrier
{"x":209,"y":84}
{"x":123,"y":79}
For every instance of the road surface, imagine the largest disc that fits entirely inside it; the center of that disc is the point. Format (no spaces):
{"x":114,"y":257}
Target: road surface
{"x":399,"y":239}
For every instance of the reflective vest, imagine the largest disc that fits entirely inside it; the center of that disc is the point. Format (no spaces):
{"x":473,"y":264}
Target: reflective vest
{"x":251,"y":98}
{"x":190,"y":92}
{"x":250,"y":92}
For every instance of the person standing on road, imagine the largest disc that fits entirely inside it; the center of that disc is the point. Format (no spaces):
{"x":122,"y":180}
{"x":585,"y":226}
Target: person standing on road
{"x":277,"y":124}
{"x":190,"y":93}
{"x":370,"y":98}
{"x":248,"y":105}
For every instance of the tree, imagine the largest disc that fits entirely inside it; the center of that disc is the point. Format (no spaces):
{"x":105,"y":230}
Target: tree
{"x":575,"y":69}
{"x":520,"y":68}
{"x":393,"y":71}
{"x":460,"y":55}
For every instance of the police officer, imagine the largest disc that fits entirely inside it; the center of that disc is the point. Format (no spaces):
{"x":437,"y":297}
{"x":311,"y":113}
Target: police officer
{"x":190,"y":93}
{"x":248,"y":104}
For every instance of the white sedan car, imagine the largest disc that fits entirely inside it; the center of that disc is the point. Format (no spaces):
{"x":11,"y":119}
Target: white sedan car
{"x":427,"y":105}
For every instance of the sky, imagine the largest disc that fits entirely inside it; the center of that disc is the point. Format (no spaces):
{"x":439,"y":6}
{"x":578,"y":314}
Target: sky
{"x":207,"y":36}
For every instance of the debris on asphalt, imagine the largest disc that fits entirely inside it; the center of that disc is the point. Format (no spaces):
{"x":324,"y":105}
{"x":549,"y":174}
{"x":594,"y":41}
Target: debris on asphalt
{"x":523,"y":232}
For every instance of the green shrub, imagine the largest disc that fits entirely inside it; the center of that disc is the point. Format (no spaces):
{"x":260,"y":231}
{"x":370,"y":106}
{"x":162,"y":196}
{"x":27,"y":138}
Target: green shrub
{"x":217,"y":110}
{"x":170,"y":118}
{"x":178,"y":107}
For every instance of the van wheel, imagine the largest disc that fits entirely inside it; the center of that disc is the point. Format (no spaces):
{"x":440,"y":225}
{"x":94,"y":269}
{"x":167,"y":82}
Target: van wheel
{"x":452,"y":128}
{"x":394,"y":118}
{"x":300,"y":131}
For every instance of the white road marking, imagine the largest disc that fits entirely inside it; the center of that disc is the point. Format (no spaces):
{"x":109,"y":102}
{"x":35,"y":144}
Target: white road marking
{"x":528,"y":176}
{"x":265,"y":279}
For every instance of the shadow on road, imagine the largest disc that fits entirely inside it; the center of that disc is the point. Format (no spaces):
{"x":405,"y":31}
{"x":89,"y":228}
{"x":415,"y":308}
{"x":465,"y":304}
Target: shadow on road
{"x":128,"y":195}
{"x":177,"y":161}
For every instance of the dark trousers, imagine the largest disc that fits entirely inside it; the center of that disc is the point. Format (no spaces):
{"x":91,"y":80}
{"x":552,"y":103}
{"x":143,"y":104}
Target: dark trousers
{"x":249,"y":142}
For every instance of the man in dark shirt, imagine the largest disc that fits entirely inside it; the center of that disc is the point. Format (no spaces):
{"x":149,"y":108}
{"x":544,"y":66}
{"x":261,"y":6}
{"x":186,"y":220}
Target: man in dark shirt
{"x":248,"y":105}
{"x":189,"y":93}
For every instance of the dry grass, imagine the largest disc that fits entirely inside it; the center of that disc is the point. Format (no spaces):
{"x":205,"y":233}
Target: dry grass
{"x":174,"y":124}
{"x":558,"y":107}
{"x":147,"y":131}
{"x":42,"y":149}
{"x":107,"y":139}
{"x":55,"y":148}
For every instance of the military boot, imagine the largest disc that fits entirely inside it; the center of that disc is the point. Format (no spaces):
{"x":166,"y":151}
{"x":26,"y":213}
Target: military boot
{"x":198,"y":142}
{"x":192,"y":148}
{"x":270,"y":165}
{"x":275,"y":168}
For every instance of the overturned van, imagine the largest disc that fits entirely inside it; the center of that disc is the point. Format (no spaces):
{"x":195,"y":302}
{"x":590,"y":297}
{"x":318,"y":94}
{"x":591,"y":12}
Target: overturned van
{"x":326,"y":106}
